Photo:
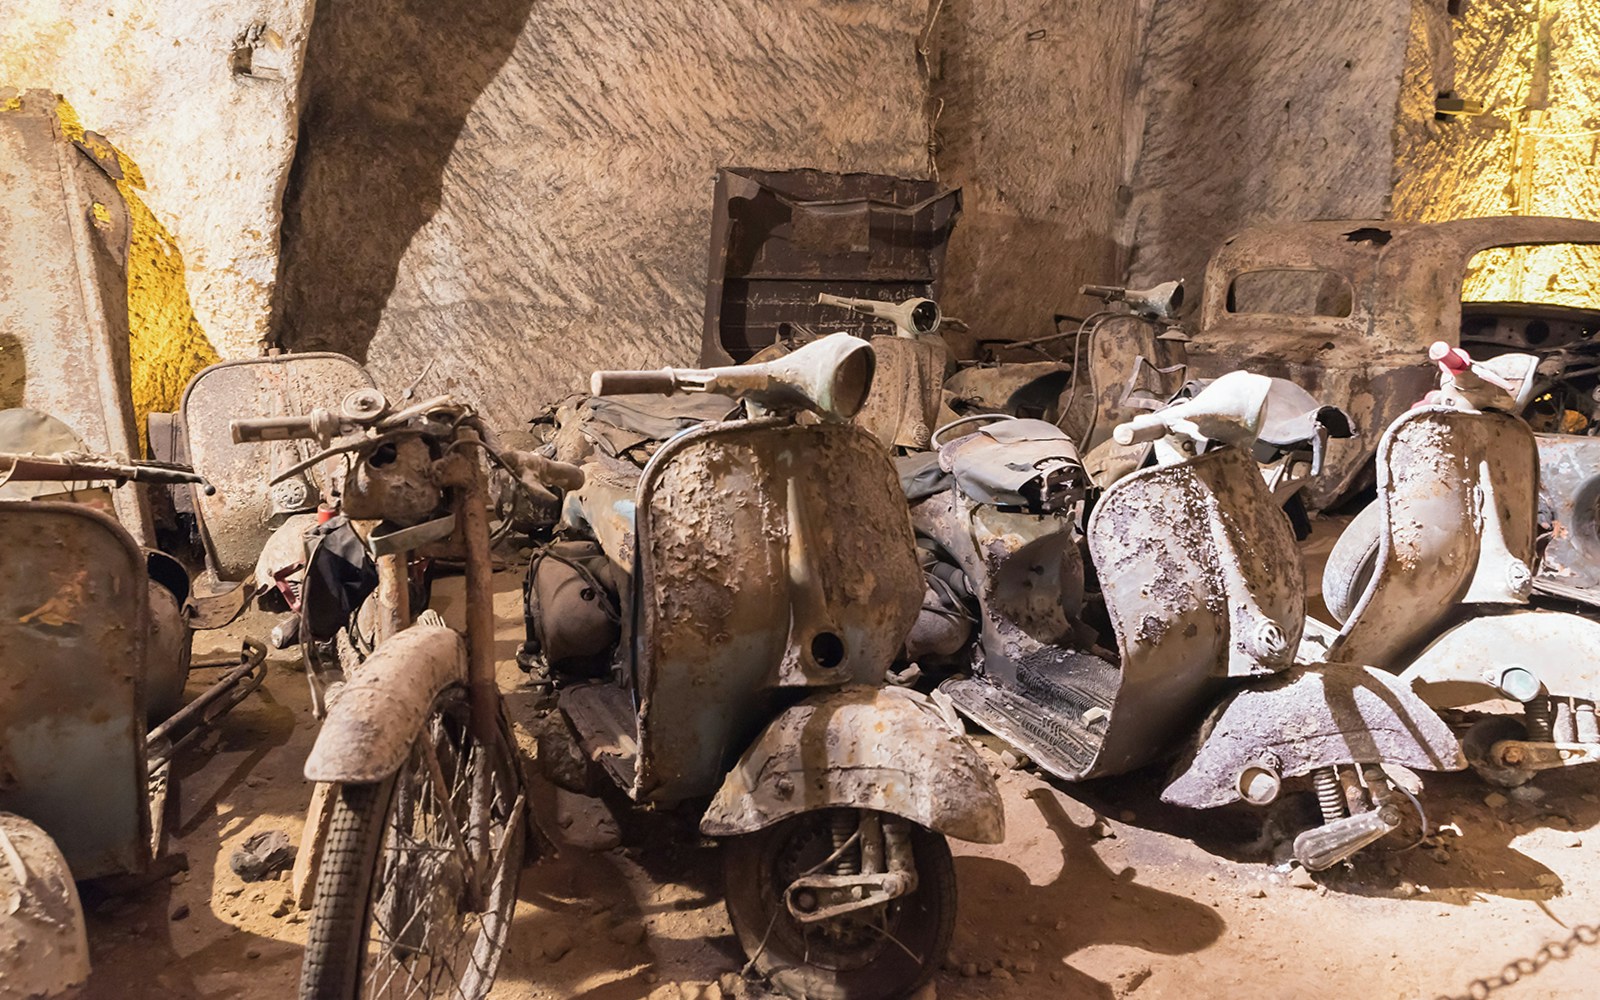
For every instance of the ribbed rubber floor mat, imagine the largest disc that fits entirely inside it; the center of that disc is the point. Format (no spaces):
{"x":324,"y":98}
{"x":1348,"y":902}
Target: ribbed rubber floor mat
{"x":606,"y":725}
{"x":1058,"y":723}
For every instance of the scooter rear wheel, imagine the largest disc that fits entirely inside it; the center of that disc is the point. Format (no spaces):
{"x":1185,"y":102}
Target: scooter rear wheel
{"x":393,"y":915}
{"x":881,"y":953}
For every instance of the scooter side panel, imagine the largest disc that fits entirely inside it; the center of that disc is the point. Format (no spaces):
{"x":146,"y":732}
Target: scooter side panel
{"x":760,"y":543}
{"x":73,"y":622}
{"x":1465,"y":665}
{"x":1458,"y":494}
{"x":1202,"y":581}
{"x":238,"y":519}
{"x":1569,"y":493}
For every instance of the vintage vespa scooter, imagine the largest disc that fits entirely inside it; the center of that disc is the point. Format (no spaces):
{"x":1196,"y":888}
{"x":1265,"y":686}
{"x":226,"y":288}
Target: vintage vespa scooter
{"x":93,"y":637}
{"x":1202,"y":601}
{"x":766,"y":578}
{"x":1433,"y":580}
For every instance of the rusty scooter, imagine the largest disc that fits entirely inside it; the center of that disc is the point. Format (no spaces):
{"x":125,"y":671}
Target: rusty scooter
{"x":757,"y":578}
{"x":418,"y":828}
{"x":1192,"y":634}
{"x":94,"y":632}
{"x":1434,"y":579}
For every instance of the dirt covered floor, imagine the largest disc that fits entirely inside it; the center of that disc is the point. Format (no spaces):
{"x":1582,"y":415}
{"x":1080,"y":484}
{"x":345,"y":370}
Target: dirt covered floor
{"x":1097,"y":892}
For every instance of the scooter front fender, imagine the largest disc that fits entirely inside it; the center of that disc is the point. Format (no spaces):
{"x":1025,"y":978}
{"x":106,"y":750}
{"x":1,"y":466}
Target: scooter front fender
{"x":1519,"y":655}
{"x":1308,"y":718}
{"x":371,"y":724}
{"x":862,"y":747}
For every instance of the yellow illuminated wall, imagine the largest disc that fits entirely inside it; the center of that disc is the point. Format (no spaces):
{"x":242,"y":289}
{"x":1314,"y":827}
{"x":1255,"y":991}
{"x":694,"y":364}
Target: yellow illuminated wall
{"x":166,"y":345}
{"x":1535,"y":65}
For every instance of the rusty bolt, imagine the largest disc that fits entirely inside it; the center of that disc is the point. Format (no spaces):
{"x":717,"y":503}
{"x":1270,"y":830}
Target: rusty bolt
{"x":785,"y":786}
{"x":1511,"y":755}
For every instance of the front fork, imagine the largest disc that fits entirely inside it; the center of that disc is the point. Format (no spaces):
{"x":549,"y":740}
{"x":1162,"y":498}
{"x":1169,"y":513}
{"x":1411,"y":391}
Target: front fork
{"x":871,"y":864}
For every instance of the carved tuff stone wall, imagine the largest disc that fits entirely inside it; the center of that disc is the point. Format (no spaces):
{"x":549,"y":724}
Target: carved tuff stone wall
{"x":500,"y":198}
{"x":1260,"y":111}
{"x":201,"y":97}
{"x":1029,"y":103}
{"x":1532,"y":66}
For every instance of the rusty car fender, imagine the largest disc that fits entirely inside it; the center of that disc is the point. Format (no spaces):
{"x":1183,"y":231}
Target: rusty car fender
{"x":372,"y":721}
{"x":1493,"y":656}
{"x":883,"y":748}
{"x":1308,"y":718}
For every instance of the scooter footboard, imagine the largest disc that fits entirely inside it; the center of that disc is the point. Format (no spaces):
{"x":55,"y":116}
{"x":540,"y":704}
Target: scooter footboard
{"x":1520,"y":655}
{"x":885,"y":749}
{"x":1306,"y":719}
{"x":371,"y":724}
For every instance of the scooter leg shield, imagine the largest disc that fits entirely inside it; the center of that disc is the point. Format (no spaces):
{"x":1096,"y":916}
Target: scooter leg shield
{"x":1509,"y":656}
{"x":374,"y":718}
{"x":1308,"y":718}
{"x":886,"y":749}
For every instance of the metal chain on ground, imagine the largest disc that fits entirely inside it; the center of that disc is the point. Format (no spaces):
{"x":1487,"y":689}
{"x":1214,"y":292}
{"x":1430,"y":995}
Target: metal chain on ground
{"x":1514,"y":972}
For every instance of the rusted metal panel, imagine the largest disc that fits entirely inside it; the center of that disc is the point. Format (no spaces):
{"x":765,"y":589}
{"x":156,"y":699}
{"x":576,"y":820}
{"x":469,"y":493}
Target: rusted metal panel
{"x":73,"y":624}
{"x":1305,"y":719}
{"x":1203,"y":582}
{"x":374,"y":718}
{"x":1464,"y":666}
{"x":780,"y":237}
{"x":881,"y":748}
{"x":237,"y":520}
{"x":64,"y":338}
{"x":1569,"y":495}
{"x":771,"y":555}
{"x":1403,"y":292}
{"x":1440,"y":472}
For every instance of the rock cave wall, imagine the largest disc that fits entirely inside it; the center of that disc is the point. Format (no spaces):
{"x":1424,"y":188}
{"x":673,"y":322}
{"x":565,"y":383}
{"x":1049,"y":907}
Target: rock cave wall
{"x":1258,"y":111}
{"x":499,"y":199}
{"x":1029,"y":105}
{"x":201,"y":99}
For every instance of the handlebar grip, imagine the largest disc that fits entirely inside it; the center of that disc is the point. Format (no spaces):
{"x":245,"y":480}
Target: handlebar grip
{"x":249,"y":430}
{"x":661,"y":382}
{"x":1134,"y":432}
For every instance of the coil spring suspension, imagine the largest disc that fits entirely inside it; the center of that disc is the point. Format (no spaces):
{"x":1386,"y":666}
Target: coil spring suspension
{"x":1330,"y":796}
{"x":841,"y":826}
{"x":1536,"y":716}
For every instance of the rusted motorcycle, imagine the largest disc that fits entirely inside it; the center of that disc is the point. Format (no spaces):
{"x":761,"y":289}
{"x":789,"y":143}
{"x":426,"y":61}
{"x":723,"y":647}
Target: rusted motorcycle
{"x":720,"y":626}
{"x":1191,"y":635}
{"x":417,"y":832}
{"x":1433,"y":580}
{"x":94,"y":635}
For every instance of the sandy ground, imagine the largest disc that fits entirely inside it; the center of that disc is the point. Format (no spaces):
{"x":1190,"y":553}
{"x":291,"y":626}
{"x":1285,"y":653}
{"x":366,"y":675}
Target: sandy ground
{"x":1098,"y":891}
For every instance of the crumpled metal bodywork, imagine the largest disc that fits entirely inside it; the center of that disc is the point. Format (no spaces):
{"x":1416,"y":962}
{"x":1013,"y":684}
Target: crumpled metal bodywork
{"x":1464,"y":665}
{"x":1305,"y":719}
{"x":1404,"y":292}
{"x":1458,"y":495}
{"x":64,"y":336}
{"x":379,"y":712}
{"x":903,"y":407}
{"x":1569,"y":496}
{"x":44,"y":950}
{"x":238,"y":519}
{"x":863,"y":747}
{"x":1202,"y":581}
{"x":779,"y":237}
{"x":770,"y":555}
{"x":74,"y":619}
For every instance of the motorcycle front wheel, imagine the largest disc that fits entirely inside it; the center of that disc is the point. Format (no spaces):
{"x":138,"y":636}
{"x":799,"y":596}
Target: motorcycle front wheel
{"x":880,"y":953}
{"x":418,"y":878}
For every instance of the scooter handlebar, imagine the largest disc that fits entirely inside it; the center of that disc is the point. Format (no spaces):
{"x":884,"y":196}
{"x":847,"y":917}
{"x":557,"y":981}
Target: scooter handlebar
{"x":622,"y":383}
{"x":1137,"y":431}
{"x":319,"y":424}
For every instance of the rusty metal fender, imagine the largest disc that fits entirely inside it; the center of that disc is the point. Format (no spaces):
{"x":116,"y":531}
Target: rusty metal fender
{"x":372,"y":721}
{"x":862,"y":747}
{"x":1307,"y":718}
{"x":44,"y":951}
{"x":1470,"y":663}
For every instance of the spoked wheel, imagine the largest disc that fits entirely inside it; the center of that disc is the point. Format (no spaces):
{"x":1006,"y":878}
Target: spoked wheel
{"x":878,"y":953}
{"x":418,"y":879}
